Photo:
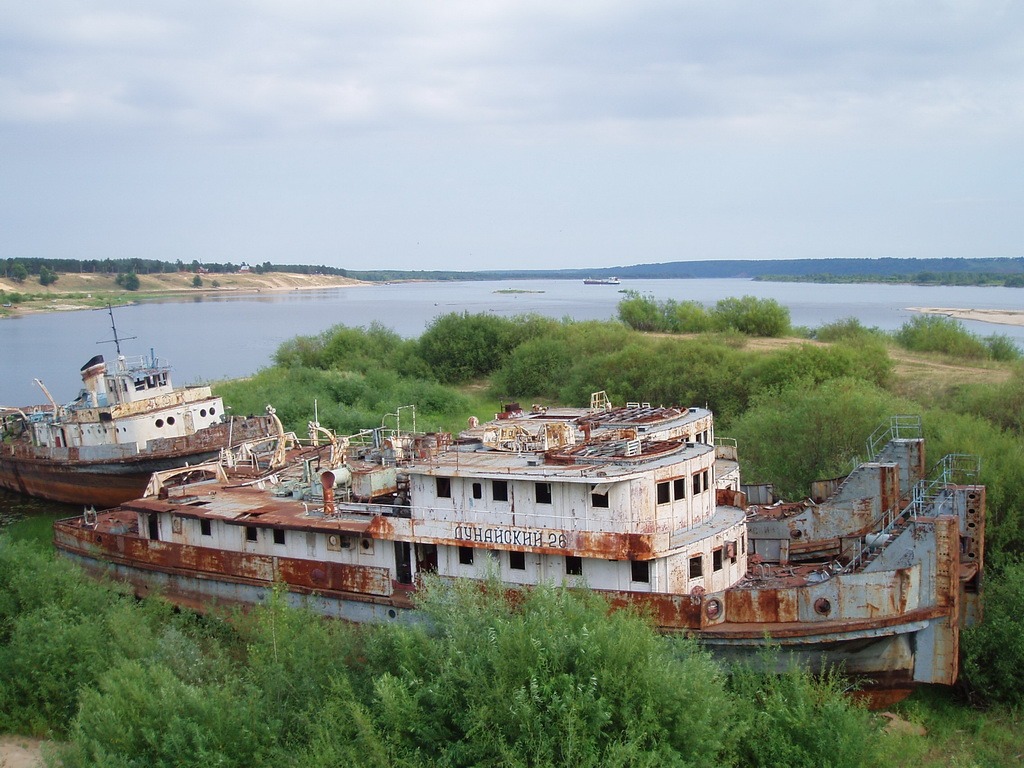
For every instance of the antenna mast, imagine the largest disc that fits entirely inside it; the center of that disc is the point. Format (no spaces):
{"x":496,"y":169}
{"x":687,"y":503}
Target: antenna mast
{"x":116,"y":340}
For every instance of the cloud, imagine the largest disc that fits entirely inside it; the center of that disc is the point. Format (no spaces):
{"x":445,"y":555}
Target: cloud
{"x":317,"y":66}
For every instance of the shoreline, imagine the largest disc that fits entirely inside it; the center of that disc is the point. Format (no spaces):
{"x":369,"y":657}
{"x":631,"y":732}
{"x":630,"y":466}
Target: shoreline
{"x":997,"y":316}
{"x":61,"y":303}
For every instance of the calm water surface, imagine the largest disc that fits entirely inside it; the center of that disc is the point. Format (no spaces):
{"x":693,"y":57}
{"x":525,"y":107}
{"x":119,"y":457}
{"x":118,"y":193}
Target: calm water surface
{"x":226,"y":336}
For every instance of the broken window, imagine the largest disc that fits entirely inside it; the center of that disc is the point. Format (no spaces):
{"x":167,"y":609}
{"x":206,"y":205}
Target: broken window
{"x":679,"y":488}
{"x":499,"y":490}
{"x":250,"y":533}
{"x":205,"y":528}
{"x":278,"y":536}
{"x":664,"y":497}
{"x":543,"y":491}
{"x":478,"y":490}
{"x":573,"y":565}
{"x":444,"y":487}
{"x":696,"y":566}
{"x":517,"y":561}
{"x":466,"y":555}
{"x":716,"y":559}
{"x":640,"y":570}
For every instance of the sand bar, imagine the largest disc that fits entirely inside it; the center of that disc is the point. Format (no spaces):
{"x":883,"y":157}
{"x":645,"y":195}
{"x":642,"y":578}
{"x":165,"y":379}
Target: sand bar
{"x":1000,"y":316}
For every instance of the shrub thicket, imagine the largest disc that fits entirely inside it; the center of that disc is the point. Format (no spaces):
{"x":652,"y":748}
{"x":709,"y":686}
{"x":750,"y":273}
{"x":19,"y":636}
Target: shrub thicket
{"x":748,"y":315}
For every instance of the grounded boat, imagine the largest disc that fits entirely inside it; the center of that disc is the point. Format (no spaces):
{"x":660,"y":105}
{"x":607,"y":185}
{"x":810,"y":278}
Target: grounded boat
{"x":602,"y":281}
{"x":877,"y":572}
{"x":127,"y":422}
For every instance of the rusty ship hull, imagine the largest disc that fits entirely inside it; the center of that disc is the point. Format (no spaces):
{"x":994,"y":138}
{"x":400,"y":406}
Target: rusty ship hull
{"x":66,"y":475}
{"x":877,"y":574}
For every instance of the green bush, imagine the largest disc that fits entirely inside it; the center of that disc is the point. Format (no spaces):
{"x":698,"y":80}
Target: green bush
{"x":937,"y":333}
{"x":1001,"y":347}
{"x":993,"y":665}
{"x":550,"y":678}
{"x":459,"y":348}
{"x":799,"y":721}
{"x":847,"y":329}
{"x":802,"y":433}
{"x":752,"y":316}
{"x":641,"y":312}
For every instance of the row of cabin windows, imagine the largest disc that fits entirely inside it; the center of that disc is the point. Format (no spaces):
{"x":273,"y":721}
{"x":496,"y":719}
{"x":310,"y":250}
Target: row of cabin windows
{"x":717,"y":561}
{"x":499,"y":491}
{"x":640,"y":570}
{"x":674,"y":490}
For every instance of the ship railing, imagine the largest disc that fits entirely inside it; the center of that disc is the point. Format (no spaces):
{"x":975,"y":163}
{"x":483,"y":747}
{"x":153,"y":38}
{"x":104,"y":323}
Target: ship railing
{"x":899,"y":427}
{"x":132,"y":363}
{"x":925,"y":496}
{"x":726,"y":448}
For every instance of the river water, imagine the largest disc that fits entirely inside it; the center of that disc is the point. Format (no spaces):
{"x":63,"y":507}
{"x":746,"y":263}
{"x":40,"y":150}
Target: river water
{"x":224,"y":335}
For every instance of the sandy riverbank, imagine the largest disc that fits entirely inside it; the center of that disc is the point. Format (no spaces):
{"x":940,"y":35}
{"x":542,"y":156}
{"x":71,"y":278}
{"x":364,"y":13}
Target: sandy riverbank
{"x":1000,"y":316}
{"x":66,"y":295}
{"x":20,"y":752}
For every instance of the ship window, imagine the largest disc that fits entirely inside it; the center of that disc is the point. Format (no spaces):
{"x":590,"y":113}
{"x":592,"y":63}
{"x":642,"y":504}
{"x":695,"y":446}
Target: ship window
{"x":170,"y":420}
{"x":466,"y":555}
{"x":696,"y":483}
{"x":478,"y":490}
{"x":213,"y":411}
{"x":599,"y":499}
{"x":640,"y":570}
{"x":159,"y":423}
{"x":573,"y":565}
{"x":543,"y":491}
{"x":696,"y":567}
{"x":202,"y":412}
{"x":154,"y":527}
{"x":663,"y":492}
{"x":716,"y":559}
{"x":205,"y":528}
{"x":706,"y":483}
{"x":250,"y":533}
{"x":444,"y":487}
{"x":517,"y":561}
{"x":499,"y":490}
{"x":679,"y":488}
{"x":278,"y":536}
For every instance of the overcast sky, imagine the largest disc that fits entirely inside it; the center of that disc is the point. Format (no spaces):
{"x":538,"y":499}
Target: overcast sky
{"x":480,"y":135}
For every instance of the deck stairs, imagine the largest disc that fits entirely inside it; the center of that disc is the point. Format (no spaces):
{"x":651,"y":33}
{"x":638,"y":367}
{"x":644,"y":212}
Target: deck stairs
{"x":880,"y":445}
{"x":927,"y":499}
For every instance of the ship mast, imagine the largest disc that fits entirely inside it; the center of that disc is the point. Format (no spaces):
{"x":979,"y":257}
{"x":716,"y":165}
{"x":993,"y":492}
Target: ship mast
{"x":116,"y":340}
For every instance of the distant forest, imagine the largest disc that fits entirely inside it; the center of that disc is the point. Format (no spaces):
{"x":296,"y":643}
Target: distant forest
{"x":1003,"y":271}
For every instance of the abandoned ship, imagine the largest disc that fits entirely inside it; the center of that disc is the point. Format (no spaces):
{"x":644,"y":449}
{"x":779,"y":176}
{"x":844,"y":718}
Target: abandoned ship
{"x":127,"y":422}
{"x":877,"y":572}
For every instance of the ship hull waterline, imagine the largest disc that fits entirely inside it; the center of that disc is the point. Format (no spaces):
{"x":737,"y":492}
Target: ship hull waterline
{"x":880,"y":656}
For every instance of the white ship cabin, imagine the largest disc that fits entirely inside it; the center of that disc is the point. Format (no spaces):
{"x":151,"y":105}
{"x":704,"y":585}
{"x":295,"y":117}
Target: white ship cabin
{"x":134,"y":402}
{"x":621,"y":499}
{"x":627,"y":500}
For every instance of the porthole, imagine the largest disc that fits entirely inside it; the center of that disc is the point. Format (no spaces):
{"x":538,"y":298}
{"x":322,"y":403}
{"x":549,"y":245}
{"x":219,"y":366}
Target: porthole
{"x":202,"y":412}
{"x":823,"y":606}
{"x":159,"y":423}
{"x":713,"y":608}
{"x":170,"y":420}
{"x":213,"y":411}
{"x":391,"y":613}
